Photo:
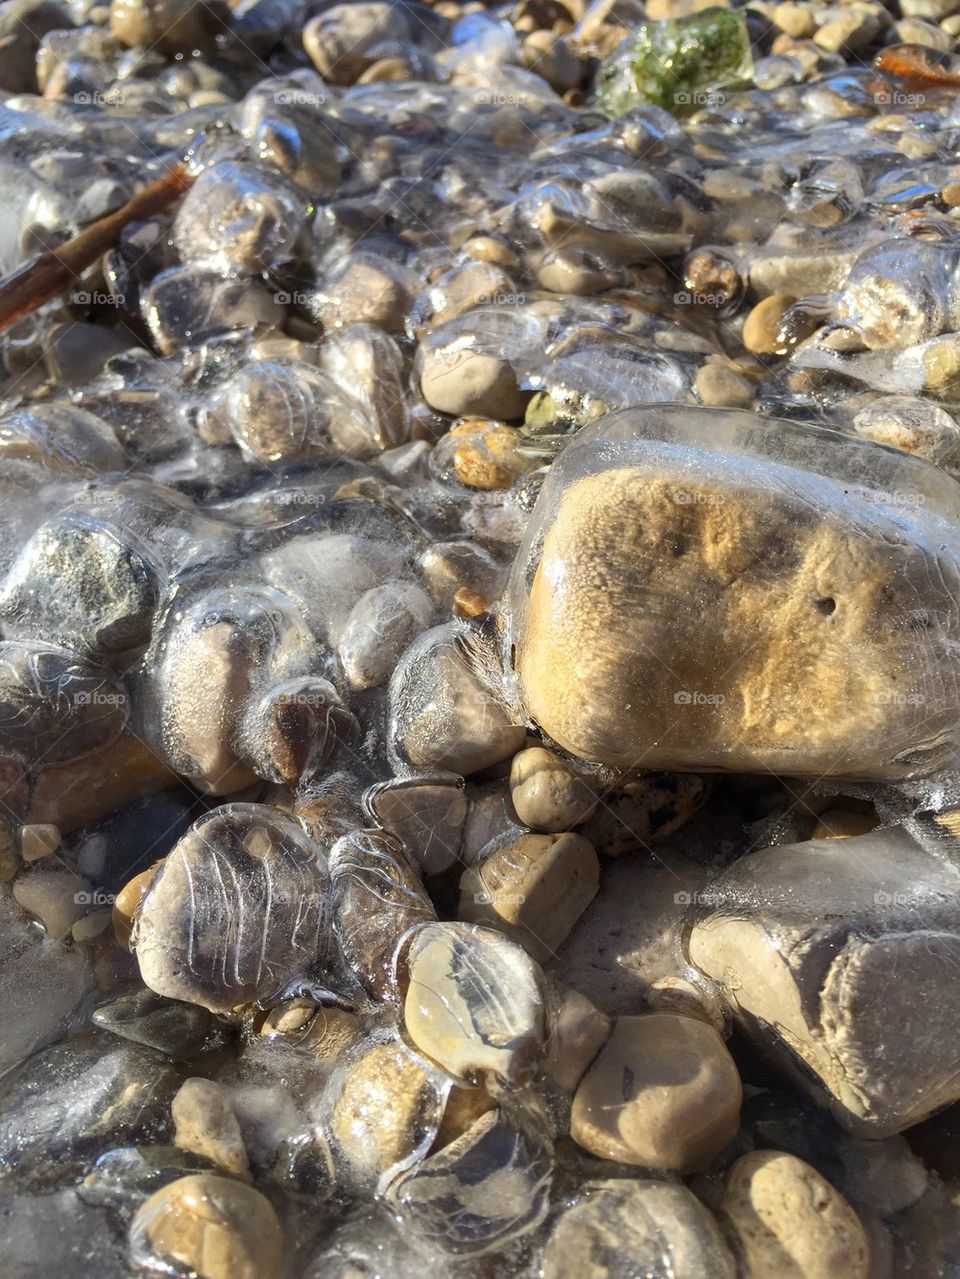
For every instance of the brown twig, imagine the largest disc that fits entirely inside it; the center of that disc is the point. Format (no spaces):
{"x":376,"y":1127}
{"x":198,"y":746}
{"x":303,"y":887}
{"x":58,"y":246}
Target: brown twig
{"x":48,"y":274}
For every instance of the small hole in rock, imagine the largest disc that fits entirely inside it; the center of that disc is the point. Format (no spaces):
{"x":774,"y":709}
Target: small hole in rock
{"x":827,"y":606}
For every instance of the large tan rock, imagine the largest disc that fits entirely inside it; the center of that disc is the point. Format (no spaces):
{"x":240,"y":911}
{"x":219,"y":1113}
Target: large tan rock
{"x":703,"y":608}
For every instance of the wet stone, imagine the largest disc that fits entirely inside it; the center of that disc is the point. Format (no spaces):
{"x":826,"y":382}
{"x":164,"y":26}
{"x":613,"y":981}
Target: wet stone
{"x":663,"y":1093}
{"x":378,"y":899}
{"x":238,"y":909}
{"x":456,"y":1200}
{"x":211,"y":1226}
{"x":78,"y":1098}
{"x":535,"y":890}
{"x":785,"y":1218}
{"x":205,"y":1125}
{"x":581,"y":653}
{"x":827,"y":923}
{"x":546,"y":793}
{"x":474,"y":1004}
{"x":177,"y":1030}
{"x":626,"y":1227}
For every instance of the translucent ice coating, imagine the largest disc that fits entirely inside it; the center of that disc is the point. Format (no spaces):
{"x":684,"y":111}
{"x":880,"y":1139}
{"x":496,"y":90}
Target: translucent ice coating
{"x":839,"y":957}
{"x":708,"y":589}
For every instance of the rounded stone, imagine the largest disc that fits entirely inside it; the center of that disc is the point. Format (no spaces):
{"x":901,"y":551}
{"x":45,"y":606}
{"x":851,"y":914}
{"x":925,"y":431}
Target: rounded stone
{"x":238,"y":908}
{"x":622,"y":1229}
{"x":208,"y":1226}
{"x":788,"y":1222}
{"x":442,"y":716}
{"x":720,"y":387}
{"x":388,"y":1108}
{"x":534,"y":889}
{"x":474,"y":1004}
{"x":463,"y":382}
{"x":663,"y":1093}
{"x":547,"y":794}
{"x":762,"y":324}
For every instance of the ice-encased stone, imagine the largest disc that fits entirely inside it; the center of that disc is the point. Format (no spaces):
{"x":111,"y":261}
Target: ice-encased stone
{"x":238,"y":908}
{"x":838,"y":958}
{"x":708,"y":589}
{"x":621,"y":1228}
{"x":78,"y":1098}
{"x":42,"y":983}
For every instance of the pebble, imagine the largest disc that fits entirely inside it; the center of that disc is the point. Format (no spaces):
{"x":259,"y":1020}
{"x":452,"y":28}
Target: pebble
{"x":474,"y":1004}
{"x":205,"y":1124}
{"x":795,"y":19}
{"x":379,"y":899}
{"x":581,"y":654}
{"x":663,"y":1093}
{"x":762,"y":326}
{"x":209,"y":1226}
{"x":365,"y":288}
{"x":426,"y":814}
{"x":853,"y":29}
{"x":911,"y":424}
{"x":177,"y":1030}
{"x":239,"y":216}
{"x":170,"y":26}
{"x":72,"y":1101}
{"x":238,"y":908}
{"x":786,"y":1220}
{"x":38,"y":841}
{"x":128,"y":902}
{"x":535,"y":890}
{"x":576,"y":1033}
{"x":662,"y":1228}
{"x":387,"y":1109}
{"x":463,"y":382}
{"x":481,"y":455}
{"x":347,"y":39}
{"x":379,"y":627}
{"x":442,"y":716}
{"x":485,"y":1189}
{"x":552,"y":57}
{"x":57,"y":898}
{"x":720,"y":387}
{"x":546,"y":793}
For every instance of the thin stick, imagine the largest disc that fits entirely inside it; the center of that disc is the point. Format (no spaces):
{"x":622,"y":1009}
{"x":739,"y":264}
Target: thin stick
{"x":48,"y":274}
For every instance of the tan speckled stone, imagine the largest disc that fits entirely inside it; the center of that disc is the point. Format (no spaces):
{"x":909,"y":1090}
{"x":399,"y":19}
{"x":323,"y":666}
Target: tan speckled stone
{"x":789,"y":1223}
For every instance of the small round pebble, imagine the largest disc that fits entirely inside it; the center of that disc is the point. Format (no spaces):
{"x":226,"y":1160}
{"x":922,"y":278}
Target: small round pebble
{"x":761,"y":326}
{"x":463,"y":382}
{"x":206,"y":1125}
{"x":547,"y":794}
{"x":789,"y":1223}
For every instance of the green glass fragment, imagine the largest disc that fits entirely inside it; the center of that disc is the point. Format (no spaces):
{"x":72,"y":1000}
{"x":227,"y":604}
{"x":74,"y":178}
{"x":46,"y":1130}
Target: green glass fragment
{"x":681,"y":64}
